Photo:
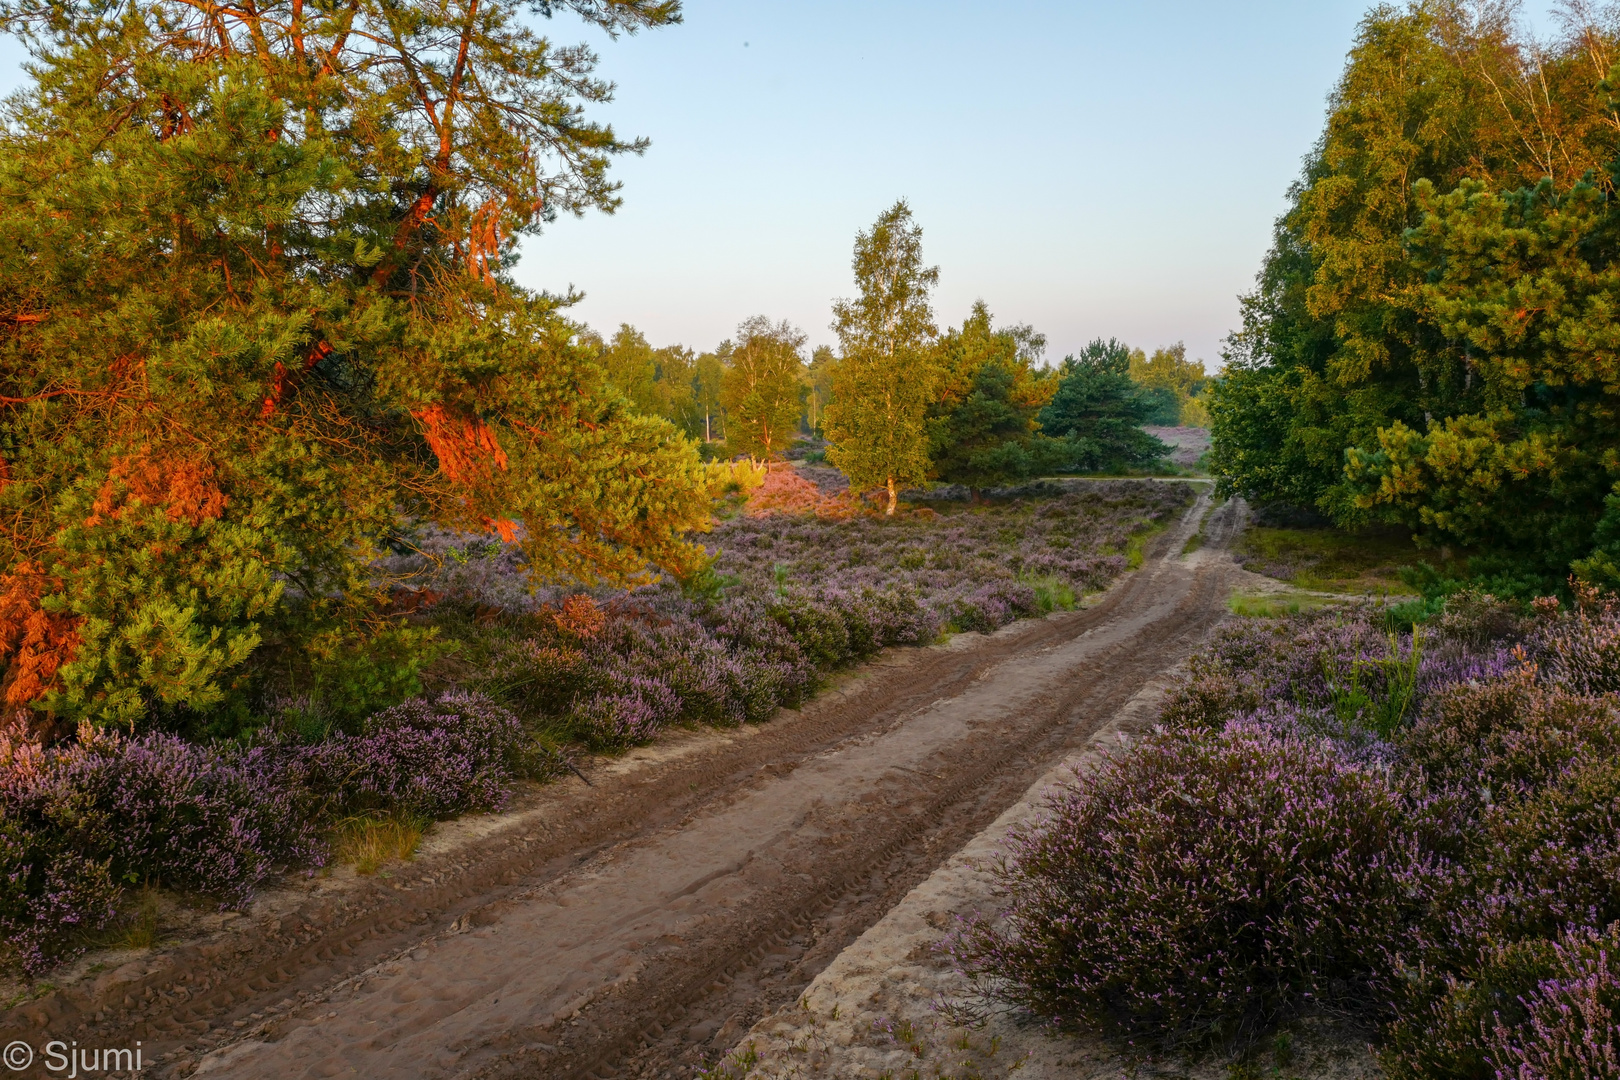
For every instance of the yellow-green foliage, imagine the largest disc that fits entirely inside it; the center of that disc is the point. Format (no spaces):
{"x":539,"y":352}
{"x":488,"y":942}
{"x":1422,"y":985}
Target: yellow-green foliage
{"x":741,"y":476}
{"x":982,"y":424}
{"x":1431,"y":343}
{"x":883,"y":385}
{"x":1169,"y":369}
{"x":1195,"y":412}
{"x":1052,"y":594}
{"x":818,"y":379}
{"x":372,"y":841}
{"x":257,"y":312}
{"x":671,"y":382}
{"x":761,"y":389}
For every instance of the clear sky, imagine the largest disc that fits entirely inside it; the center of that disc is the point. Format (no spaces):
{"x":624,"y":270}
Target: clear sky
{"x":1094,"y":169}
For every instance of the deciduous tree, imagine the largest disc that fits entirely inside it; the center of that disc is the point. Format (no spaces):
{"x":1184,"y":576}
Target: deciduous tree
{"x":877,"y":419}
{"x":631,"y":365}
{"x":1176,"y":378}
{"x":657,"y":382}
{"x":818,"y":379}
{"x":708,"y":375}
{"x":761,"y":388}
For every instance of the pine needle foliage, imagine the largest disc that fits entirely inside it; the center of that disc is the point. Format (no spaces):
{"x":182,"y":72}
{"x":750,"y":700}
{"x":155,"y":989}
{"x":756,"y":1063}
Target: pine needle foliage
{"x":254,"y":309}
{"x":1430,"y":341}
{"x":982,"y":425}
{"x":1098,"y":411}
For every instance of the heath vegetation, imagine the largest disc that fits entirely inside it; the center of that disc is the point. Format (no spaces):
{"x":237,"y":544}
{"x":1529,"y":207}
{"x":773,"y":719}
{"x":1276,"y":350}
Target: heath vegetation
{"x":1413,"y":829}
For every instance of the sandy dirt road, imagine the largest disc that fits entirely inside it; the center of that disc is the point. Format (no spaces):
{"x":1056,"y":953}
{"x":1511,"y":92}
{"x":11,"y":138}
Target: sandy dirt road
{"x":637,"y":928}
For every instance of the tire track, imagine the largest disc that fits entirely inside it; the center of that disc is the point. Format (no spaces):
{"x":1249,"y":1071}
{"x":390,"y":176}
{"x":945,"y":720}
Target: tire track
{"x":655,"y":1033}
{"x":805,"y":900}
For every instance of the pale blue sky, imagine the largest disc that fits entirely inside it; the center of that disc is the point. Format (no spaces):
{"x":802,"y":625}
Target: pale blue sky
{"x":1094,"y":169}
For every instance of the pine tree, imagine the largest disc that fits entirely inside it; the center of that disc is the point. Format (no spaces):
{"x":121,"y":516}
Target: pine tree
{"x":877,"y":419}
{"x":761,"y":388}
{"x":982,"y":426}
{"x":1098,"y":411}
{"x":254,"y":309}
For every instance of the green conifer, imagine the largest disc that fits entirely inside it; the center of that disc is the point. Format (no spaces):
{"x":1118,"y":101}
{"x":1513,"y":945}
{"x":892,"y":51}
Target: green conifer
{"x":254,"y":308}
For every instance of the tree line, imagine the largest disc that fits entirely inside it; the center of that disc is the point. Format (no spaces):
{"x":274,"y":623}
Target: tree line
{"x":903,"y":403}
{"x":258,"y":324}
{"x":1431,"y":342}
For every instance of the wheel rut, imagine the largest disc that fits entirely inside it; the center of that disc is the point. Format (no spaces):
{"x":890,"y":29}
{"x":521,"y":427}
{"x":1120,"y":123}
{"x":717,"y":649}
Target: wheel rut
{"x":633,"y":928}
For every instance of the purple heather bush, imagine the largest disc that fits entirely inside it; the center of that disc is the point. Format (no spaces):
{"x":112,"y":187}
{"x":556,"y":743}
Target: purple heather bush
{"x":1536,"y":1009}
{"x":1195,"y":889}
{"x":1570,"y":1029}
{"x":80,"y":822}
{"x":789,"y":598}
{"x":49,"y":897}
{"x":434,"y":758}
{"x":1426,"y":824}
{"x":158,"y":808}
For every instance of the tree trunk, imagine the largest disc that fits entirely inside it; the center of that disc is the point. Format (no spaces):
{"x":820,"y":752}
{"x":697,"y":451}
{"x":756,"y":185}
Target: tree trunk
{"x":893,"y":495}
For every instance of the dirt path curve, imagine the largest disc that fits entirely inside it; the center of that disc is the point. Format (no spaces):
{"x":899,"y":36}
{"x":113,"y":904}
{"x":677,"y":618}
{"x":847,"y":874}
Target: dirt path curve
{"x":636,"y":928}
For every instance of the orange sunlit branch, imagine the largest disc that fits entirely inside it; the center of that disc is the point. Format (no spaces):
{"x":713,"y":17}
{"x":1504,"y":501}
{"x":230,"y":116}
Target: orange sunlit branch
{"x":506,"y":529}
{"x":186,"y":489}
{"x":463,"y":444}
{"x":34,"y":641}
{"x":283,"y":381}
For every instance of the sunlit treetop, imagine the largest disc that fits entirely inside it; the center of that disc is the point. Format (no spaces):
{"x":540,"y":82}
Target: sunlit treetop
{"x":256,"y":316}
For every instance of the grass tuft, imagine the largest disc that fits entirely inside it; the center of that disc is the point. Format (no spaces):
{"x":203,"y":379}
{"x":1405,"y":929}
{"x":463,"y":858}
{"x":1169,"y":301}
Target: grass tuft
{"x":142,"y":931}
{"x":372,"y":841}
{"x":1273,"y":605}
{"x":1052,"y":593}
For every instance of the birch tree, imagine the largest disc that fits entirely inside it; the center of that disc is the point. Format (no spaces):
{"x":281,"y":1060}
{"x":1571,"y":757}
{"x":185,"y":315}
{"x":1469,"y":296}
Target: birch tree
{"x":886,"y":379}
{"x":760,"y":390}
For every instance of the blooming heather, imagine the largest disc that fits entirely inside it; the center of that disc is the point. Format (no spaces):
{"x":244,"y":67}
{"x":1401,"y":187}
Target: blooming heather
{"x":1425,"y":825}
{"x":80,"y":821}
{"x":790,"y":596}
{"x":436,"y":758}
{"x":1571,"y":1024}
{"x":1197,"y":889}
